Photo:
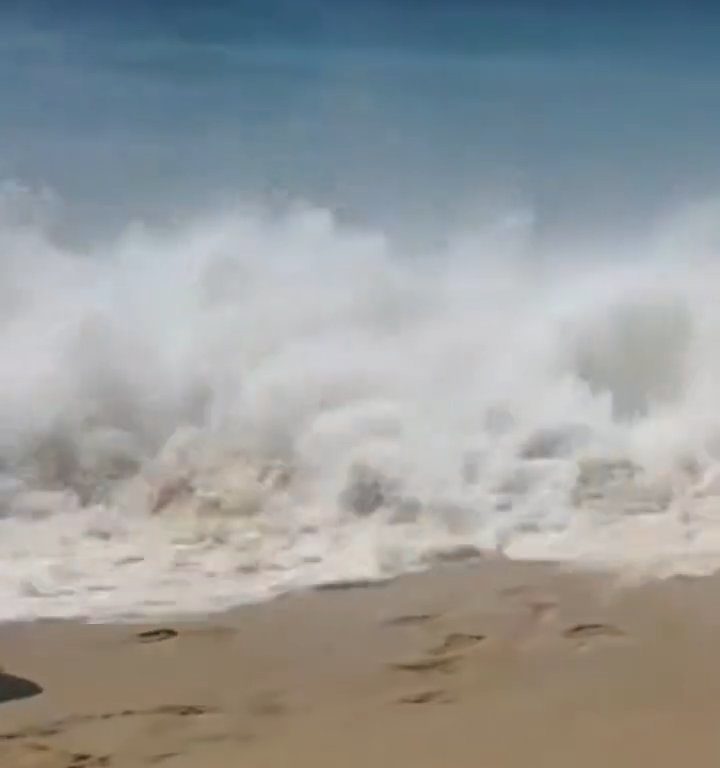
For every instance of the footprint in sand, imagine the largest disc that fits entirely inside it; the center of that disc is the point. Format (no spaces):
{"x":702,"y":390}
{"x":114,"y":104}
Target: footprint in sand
{"x":30,"y":733}
{"x":43,"y":756}
{"x":180,"y":710}
{"x":585,"y":631}
{"x":56,"y":727}
{"x":443,"y":664}
{"x":410,"y":620}
{"x":444,"y":657}
{"x":162,"y":757}
{"x":583,"y":634}
{"x":432,"y":696}
{"x":26,"y":746}
{"x":156,"y":635}
{"x":455,"y":642}
{"x":348,"y":584}
{"x":84,"y":760}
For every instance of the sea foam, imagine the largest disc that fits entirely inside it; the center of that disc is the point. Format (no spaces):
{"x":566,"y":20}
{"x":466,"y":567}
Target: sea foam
{"x":245,"y":402}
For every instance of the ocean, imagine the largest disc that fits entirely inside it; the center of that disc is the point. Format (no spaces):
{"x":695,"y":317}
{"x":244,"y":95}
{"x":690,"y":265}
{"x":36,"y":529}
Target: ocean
{"x":296,"y":293}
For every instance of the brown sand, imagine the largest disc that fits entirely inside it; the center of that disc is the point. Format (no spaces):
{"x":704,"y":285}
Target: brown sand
{"x":493,"y":665}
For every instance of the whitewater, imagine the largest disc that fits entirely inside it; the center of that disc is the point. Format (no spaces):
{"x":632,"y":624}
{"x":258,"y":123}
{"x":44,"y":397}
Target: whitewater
{"x":223,"y":407}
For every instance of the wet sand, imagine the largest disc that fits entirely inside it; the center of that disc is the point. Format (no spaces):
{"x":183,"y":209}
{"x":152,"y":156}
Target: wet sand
{"x":491,"y":665}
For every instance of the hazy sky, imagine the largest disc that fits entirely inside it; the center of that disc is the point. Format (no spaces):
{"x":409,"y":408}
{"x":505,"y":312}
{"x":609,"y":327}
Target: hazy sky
{"x":391,"y":110}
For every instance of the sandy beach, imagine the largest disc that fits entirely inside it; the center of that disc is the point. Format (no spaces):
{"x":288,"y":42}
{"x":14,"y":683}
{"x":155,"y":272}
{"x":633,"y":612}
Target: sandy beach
{"x":494,"y":664}
{"x":359,"y":384}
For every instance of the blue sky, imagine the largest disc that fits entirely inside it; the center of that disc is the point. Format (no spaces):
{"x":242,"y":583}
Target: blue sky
{"x":393,"y":111}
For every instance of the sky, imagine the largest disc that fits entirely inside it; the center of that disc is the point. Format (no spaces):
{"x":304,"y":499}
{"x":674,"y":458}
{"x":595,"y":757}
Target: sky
{"x":417,"y":115}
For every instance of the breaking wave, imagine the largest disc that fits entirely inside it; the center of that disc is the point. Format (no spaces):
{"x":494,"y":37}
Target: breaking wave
{"x":206,"y":413}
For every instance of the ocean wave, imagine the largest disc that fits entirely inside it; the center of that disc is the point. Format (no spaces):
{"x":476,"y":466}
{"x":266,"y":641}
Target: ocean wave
{"x":203,"y":414}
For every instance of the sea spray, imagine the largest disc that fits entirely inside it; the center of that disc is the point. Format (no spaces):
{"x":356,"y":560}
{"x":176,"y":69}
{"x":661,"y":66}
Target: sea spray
{"x":211,"y":412}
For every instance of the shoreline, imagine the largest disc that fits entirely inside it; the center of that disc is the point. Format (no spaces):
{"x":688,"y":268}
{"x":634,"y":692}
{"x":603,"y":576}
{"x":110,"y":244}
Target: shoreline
{"x":498,"y":663}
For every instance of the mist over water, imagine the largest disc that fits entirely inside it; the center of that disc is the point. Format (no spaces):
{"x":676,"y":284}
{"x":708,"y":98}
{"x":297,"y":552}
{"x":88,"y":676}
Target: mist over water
{"x":341,"y":305}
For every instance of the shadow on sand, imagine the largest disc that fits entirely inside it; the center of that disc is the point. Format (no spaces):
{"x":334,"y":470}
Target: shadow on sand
{"x":13,"y":688}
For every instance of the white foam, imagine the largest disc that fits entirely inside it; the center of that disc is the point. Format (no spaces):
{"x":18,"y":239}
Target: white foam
{"x":208,"y":414}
